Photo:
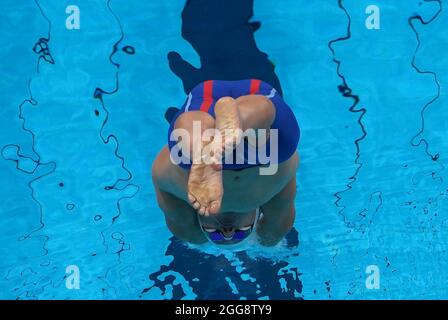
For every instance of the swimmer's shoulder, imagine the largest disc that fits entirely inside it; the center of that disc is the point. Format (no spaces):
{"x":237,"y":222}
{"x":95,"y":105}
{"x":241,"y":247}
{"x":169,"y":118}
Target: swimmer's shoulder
{"x":295,"y":160}
{"x":168,"y":176}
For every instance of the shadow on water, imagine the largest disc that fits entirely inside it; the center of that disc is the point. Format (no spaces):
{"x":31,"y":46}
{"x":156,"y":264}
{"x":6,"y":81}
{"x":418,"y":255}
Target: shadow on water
{"x":207,"y":274}
{"x":223,"y":35}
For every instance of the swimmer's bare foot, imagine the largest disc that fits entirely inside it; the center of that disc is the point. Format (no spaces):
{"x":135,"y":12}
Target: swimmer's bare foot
{"x":228,"y":122}
{"x":205,"y":188}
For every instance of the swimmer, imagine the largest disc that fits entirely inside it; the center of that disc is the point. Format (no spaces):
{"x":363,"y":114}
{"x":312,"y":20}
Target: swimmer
{"x":222,"y":201}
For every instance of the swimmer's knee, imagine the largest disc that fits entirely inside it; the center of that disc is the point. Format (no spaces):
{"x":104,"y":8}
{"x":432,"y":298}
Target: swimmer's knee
{"x":256,"y":111}
{"x":265,"y":106}
{"x":186,"y":119}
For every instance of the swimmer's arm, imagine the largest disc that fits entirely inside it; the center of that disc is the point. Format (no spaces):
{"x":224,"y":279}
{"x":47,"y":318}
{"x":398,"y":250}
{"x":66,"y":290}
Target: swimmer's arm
{"x":278,"y":216}
{"x":180,"y":217}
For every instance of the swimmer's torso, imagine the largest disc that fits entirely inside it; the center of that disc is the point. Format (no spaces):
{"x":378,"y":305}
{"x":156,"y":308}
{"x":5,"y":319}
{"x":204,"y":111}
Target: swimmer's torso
{"x":245,"y":190}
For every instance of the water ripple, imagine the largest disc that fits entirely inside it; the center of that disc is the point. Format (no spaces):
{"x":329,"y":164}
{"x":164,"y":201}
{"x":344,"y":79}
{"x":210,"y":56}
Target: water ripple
{"x":417,"y":17}
{"x":346,"y":91}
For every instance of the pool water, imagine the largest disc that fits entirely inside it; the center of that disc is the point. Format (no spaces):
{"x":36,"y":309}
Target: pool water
{"x":82,"y":119}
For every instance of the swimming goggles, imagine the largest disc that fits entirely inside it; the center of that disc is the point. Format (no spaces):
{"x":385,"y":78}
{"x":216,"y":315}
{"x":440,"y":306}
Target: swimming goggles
{"x":216,"y":236}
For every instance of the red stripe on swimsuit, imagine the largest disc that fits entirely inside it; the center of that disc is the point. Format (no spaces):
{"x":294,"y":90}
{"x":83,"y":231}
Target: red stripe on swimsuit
{"x":254,"y":86}
{"x":208,"y":96}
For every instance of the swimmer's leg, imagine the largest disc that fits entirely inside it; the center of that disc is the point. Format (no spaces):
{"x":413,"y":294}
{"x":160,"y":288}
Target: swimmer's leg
{"x":186,"y":121}
{"x":245,"y":112}
{"x":205,"y":189}
{"x":256,"y":112}
{"x":228,"y":122}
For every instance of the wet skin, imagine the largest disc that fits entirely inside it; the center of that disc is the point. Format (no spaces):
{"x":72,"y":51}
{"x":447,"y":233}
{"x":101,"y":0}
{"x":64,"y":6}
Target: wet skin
{"x":243,"y":192}
{"x":224,"y":195}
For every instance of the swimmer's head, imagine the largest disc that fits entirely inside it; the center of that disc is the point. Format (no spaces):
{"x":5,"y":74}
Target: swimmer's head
{"x":228,"y":227}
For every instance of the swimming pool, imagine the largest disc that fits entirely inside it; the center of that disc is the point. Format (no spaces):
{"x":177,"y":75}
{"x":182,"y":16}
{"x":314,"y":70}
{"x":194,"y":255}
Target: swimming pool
{"x":82,"y":119}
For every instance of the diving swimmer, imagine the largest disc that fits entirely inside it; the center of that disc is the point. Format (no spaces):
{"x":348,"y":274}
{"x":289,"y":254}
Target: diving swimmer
{"x":225,"y":198}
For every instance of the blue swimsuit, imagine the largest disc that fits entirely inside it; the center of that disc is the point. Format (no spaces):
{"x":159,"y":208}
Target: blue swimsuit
{"x":203,"y":97}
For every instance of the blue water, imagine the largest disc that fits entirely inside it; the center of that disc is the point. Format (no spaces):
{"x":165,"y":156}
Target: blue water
{"x":82,"y":122}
